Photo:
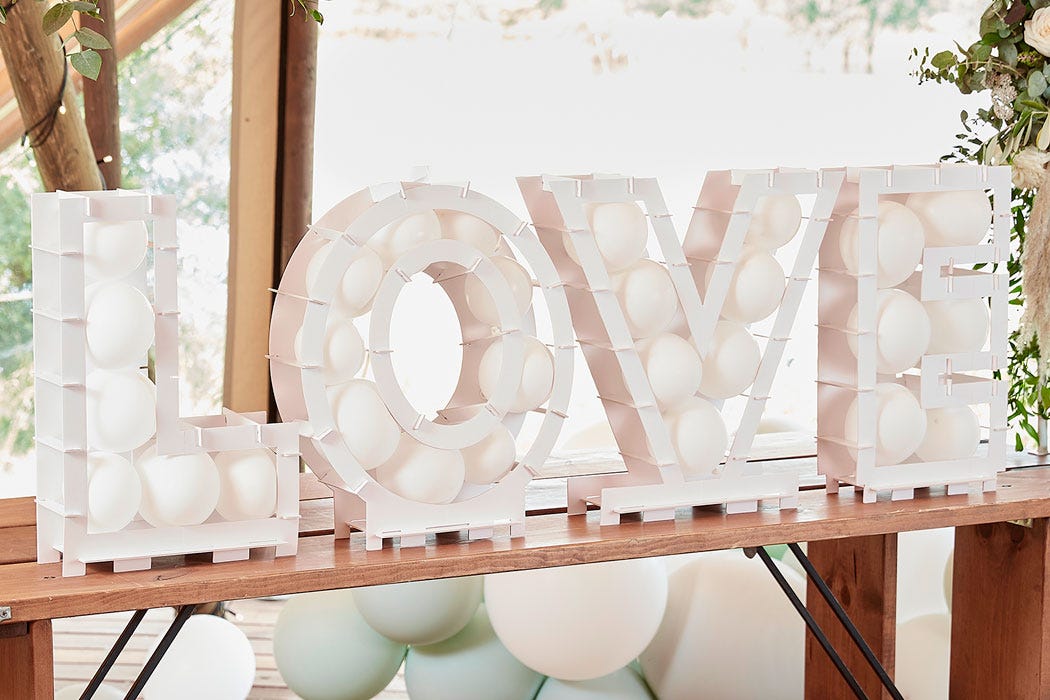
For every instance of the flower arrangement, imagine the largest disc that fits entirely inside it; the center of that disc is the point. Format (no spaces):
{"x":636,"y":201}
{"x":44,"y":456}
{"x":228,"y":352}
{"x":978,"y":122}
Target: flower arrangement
{"x":1010,"y":61}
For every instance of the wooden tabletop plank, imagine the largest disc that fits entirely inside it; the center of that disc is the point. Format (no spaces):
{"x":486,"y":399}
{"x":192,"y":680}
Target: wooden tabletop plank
{"x":39,"y":591}
{"x":17,"y":512}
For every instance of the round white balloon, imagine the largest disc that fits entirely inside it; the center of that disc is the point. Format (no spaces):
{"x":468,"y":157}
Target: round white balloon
{"x":537,"y":374}
{"x":114,"y":492}
{"x":114,"y":249}
{"x":325,"y":650}
{"x":578,"y":622}
{"x":359,"y":282}
{"x":422,"y":612}
{"x":472,"y":665}
{"x":728,"y":633}
{"x":952,"y":432}
{"x":774,"y":221}
{"x":731,"y":363}
{"x":247,"y":484}
{"x":369,"y":431}
{"x":900,"y":424}
{"x":121,"y":410}
{"x":469,"y":229}
{"x":398,"y":238}
{"x":900,"y":241}
{"x":118,"y":325}
{"x":343,"y":352}
{"x":177,"y":490}
{"x":958,"y":325}
{"x":620,"y":232}
{"x":624,"y":684}
{"x":104,"y":692}
{"x":698,"y":434}
{"x":481,"y":303}
{"x":647,"y":296}
{"x":756,"y":288}
{"x":952,"y":218}
{"x":902,"y":331}
{"x":673,"y":367}
{"x":489,"y":460}
{"x":423,"y":473}
{"x":210,"y":659}
{"x":923,"y":654}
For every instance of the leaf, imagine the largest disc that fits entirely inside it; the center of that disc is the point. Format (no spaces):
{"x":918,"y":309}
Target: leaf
{"x":1016,"y":12}
{"x":3,"y":15}
{"x":944,"y":59}
{"x":1036,"y":83}
{"x":83,"y":6}
{"x":90,"y":39}
{"x":981,"y":52}
{"x":318,"y":17}
{"x":1042,"y":139}
{"x":87,"y":63}
{"x":56,"y":17}
{"x":1008,"y":53}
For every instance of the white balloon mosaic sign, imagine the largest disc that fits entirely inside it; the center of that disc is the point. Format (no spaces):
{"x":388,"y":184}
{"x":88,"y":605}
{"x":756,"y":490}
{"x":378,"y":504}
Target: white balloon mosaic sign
{"x":672,"y":325}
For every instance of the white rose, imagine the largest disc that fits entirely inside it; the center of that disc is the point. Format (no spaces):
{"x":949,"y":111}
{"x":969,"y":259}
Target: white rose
{"x":1029,"y":168}
{"x":1037,"y":31}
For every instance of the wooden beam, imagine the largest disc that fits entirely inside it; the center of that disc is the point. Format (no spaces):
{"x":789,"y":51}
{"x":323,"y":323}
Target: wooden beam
{"x":40,"y":77}
{"x":102,"y":101}
{"x":253,"y":194}
{"x":1000,"y":619}
{"x":27,"y":660}
{"x":862,"y":573}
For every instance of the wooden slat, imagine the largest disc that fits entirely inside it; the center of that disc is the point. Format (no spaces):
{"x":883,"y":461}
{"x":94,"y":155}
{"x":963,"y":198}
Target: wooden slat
{"x":26,"y":661}
{"x":38,"y":591}
{"x":1000,"y":621}
{"x":862,"y":573}
{"x":17,"y":511}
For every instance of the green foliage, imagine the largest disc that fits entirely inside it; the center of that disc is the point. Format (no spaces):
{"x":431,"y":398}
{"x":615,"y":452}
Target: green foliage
{"x":1018,"y":80}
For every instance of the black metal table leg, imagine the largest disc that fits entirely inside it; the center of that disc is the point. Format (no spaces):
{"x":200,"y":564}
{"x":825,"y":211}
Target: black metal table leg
{"x":162,"y":648}
{"x":111,"y":657}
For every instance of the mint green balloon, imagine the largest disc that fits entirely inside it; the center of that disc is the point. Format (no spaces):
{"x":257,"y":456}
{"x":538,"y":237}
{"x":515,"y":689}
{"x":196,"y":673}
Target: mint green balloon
{"x":472,"y":665}
{"x":624,"y":684}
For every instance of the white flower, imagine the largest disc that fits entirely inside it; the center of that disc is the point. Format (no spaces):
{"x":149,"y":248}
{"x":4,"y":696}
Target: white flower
{"x":1037,"y":31}
{"x":1029,"y":168}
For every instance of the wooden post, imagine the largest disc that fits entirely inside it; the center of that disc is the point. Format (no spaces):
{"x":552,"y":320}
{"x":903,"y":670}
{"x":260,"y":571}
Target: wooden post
{"x":1000,"y":619}
{"x":35,"y":63}
{"x":27,"y":666}
{"x":101,"y":99}
{"x":862,"y":573}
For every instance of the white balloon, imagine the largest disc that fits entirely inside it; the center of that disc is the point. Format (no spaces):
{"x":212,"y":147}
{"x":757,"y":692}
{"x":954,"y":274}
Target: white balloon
{"x":343,"y":353}
{"x":473,"y":665}
{"x":121,"y":410}
{"x":423,"y":473}
{"x":900,"y":424}
{"x":114,"y":492}
{"x":624,"y":684}
{"x":949,"y":573}
{"x":923,"y":655}
{"x":900,"y":243}
{"x":952,"y":218}
{"x":902,"y":332}
{"x":113,"y":249}
{"x":578,"y":622}
{"x":731,"y":363}
{"x":492,"y":457}
{"x":177,"y":490}
{"x":118,"y":325}
{"x":537,"y":375}
{"x":921,"y":556}
{"x":398,"y":238}
{"x":620,"y":232}
{"x":369,"y":431}
{"x":698,"y":434}
{"x":673,"y":367}
{"x":325,"y":650}
{"x":104,"y":692}
{"x":247,"y":484}
{"x":775,"y":221}
{"x":210,"y":659}
{"x":958,"y":325}
{"x":952,"y":432}
{"x":359,"y":283}
{"x":422,"y":612}
{"x":481,"y":303}
{"x":728,"y":633}
{"x":647,"y":296}
{"x":756,"y":288}
{"x":469,"y":229}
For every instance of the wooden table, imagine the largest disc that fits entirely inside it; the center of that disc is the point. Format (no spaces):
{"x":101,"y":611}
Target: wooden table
{"x":1000,"y":626}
